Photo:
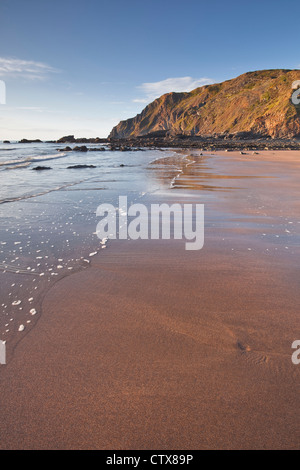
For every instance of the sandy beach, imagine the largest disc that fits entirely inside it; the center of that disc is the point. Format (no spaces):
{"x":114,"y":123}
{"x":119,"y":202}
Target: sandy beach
{"x":155,"y":347}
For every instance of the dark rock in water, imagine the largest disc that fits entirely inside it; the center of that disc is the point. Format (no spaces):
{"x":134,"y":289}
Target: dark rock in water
{"x":95,"y":149}
{"x":120,"y":148}
{"x":6,"y":141}
{"x":66,"y":149}
{"x":80,"y":167}
{"x":26,"y":141}
{"x":122,"y":164}
{"x":83,"y":148}
{"x":42,"y":168}
{"x":66,"y":139}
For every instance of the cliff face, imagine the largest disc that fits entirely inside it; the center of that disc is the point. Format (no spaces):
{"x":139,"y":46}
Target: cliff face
{"x":255,"y":102}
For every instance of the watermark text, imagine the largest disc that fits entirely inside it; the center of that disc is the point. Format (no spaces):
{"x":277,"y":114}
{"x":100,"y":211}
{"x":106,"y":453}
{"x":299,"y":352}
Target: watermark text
{"x":2,"y":352}
{"x":296,"y":93}
{"x":296,"y":354}
{"x":163,"y":221}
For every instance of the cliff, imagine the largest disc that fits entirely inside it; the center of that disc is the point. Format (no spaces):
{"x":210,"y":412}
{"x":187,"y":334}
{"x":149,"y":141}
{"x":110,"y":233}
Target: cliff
{"x":255,"y":103}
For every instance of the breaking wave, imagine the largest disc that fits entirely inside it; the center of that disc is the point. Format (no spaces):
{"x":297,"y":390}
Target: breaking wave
{"x":28,"y":160}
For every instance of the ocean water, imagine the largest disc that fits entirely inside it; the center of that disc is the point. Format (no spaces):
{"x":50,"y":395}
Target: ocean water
{"x":48,"y":218}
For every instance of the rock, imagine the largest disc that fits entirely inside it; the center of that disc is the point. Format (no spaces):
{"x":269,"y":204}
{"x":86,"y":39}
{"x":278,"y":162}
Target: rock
{"x":95,"y":149}
{"x":66,"y":139}
{"x":66,"y":149}
{"x":6,"y":141}
{"x":41,"y":168}
{"x":83,"y":148}
{"x":26,"y":141}
{"x":80,"y":167}
{"x":82,"y":140}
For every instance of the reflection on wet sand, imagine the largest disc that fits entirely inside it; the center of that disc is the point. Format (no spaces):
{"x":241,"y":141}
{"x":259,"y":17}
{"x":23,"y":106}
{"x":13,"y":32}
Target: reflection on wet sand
{"x":246,"y":194}
{"x":196,"y":172}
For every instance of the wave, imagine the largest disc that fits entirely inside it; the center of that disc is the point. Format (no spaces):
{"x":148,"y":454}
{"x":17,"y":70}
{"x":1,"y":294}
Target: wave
{"x":19,"y":165}
{"x":28,"y":160}
{"x":29,"y":196}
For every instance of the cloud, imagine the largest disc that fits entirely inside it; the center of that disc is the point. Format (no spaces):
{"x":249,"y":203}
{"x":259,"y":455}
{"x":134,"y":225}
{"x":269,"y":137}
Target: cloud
{"x":141,"y":100}
{"x":153,"y":90}
{"x":14,"y":68}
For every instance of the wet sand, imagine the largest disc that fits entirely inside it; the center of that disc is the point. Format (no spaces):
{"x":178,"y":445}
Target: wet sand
{"x":154,"y":347}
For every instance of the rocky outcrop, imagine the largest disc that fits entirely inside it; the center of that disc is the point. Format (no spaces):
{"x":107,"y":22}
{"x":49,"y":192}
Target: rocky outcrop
{"x":67,"y":139}
{"x":253,"y":105}
{"x":70,"y":139}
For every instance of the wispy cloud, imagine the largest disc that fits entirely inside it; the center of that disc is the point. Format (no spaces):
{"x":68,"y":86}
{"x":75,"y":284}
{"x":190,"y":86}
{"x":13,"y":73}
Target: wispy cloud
{"x":30,"y":108}
{"x":142,"y":100}
{"x":28,"y":69}
{"x":153,"y":90}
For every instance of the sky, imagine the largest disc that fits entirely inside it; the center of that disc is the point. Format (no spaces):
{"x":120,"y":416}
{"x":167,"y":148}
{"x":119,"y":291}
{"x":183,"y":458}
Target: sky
{"x":80,"y":66}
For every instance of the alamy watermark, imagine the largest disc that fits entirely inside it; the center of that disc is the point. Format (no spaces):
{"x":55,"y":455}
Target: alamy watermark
{"x":296,"y":354}
{"x":178,"y":221}
{"x":296,"y":93}
{"x":2,"y":352}
{"x":2,"y":92}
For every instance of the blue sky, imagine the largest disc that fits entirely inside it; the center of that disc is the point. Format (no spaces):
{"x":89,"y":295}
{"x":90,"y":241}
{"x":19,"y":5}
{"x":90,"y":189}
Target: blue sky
{"x":79,"y":67}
